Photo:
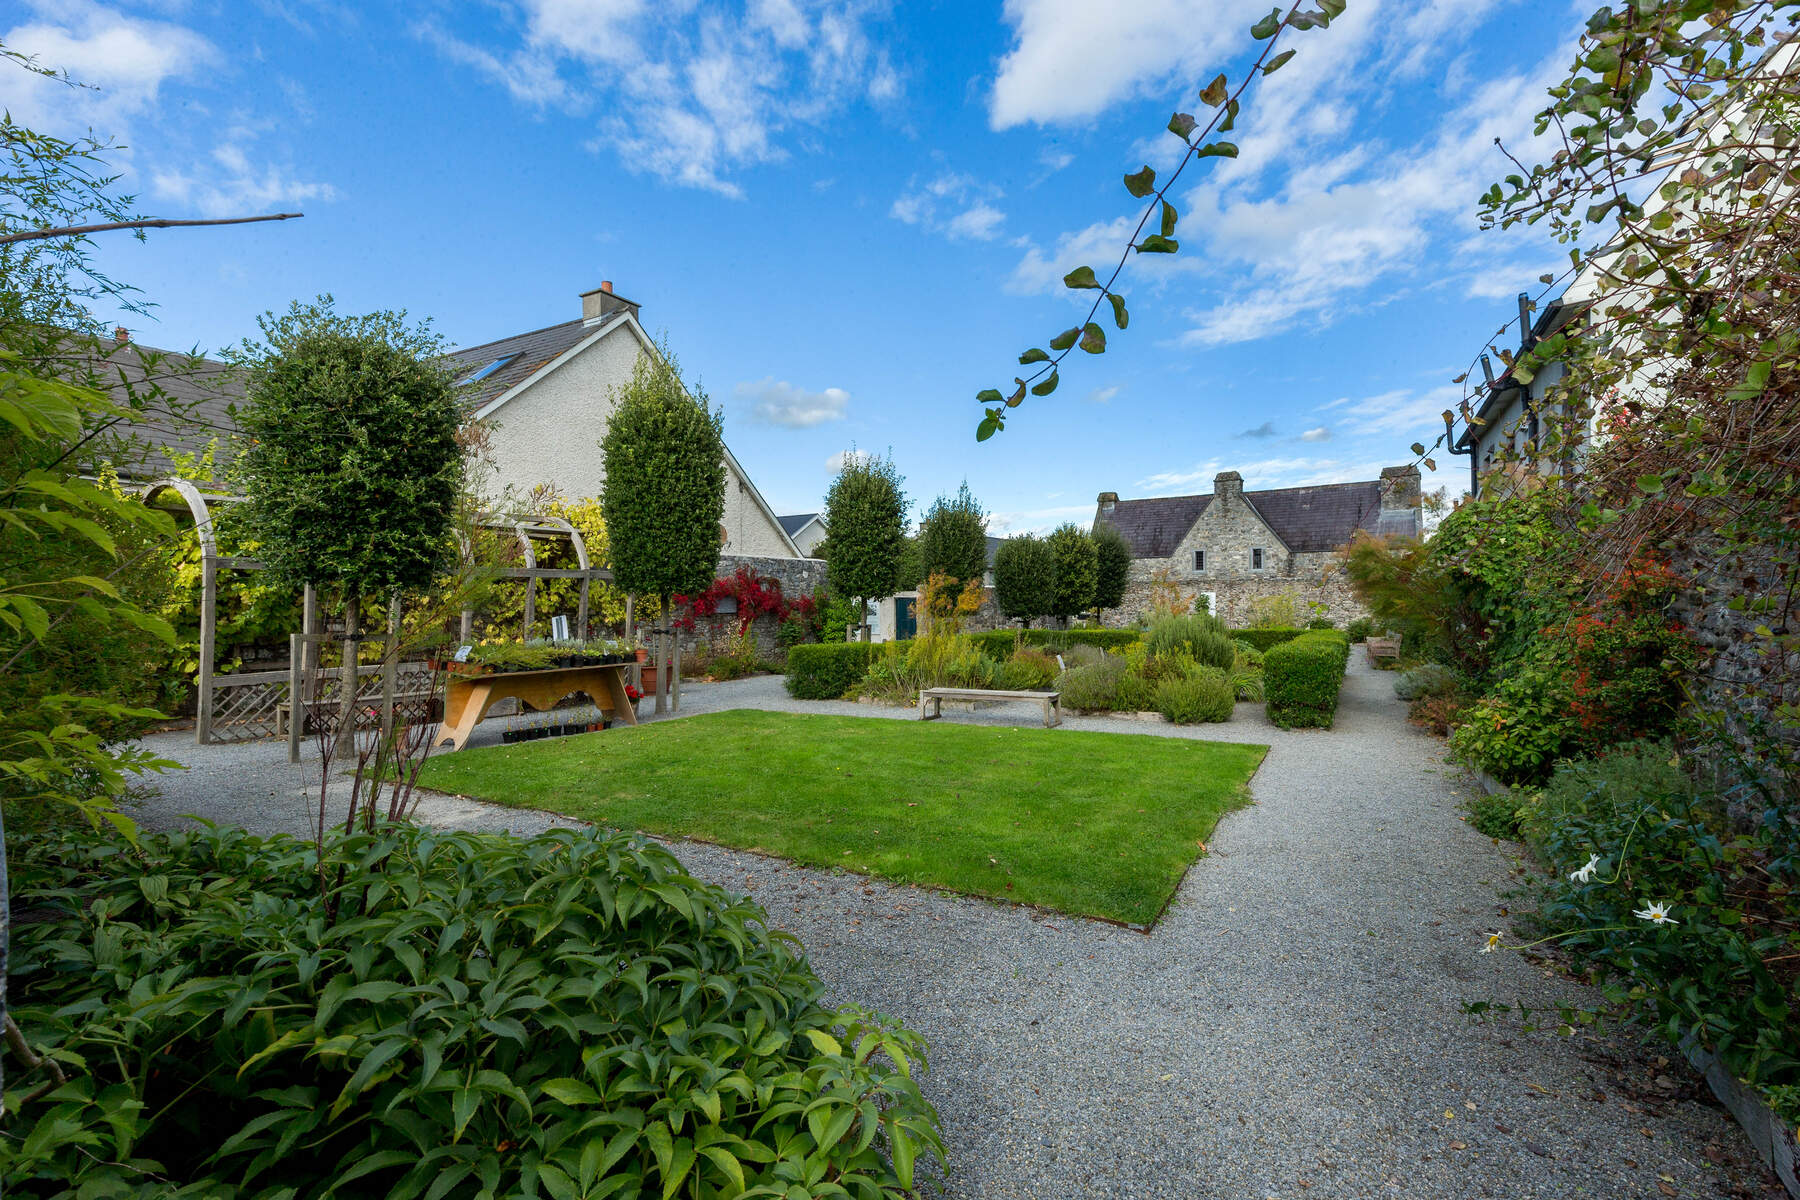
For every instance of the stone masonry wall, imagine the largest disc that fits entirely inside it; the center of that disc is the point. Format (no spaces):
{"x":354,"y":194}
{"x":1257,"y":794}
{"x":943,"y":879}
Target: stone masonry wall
{"x":797,"y":576}
{"x":1307,"y":577}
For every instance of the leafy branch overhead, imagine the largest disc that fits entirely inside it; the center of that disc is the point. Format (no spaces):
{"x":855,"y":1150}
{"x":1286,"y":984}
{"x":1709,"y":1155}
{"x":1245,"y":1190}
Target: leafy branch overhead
{"x":1225,"y":103}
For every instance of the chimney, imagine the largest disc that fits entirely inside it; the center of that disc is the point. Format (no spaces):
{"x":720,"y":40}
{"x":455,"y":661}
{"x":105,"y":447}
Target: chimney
{"x":602,"y":304}
{"x":121,"y":335}
{"x":1107,"y":501}
{"x":1227,"y":486}
{"x":1400,"y":513}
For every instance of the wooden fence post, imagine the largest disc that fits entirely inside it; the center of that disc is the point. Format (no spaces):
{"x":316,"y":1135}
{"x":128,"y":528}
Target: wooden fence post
{"x":209,"y":632}
{"x":297,"y":648}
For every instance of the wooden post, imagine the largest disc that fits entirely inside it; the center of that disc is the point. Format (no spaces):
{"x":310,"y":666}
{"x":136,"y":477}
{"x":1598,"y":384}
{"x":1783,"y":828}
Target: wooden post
{"x":297,"y":645}
{"x":468,"y":625}
{"x":662,"y":675}
{"x":581,"y":612}
{"x":209,"y":633}
{"x":309,"y":624}
{"x":630,"y":610}
{"x":530,"y":605}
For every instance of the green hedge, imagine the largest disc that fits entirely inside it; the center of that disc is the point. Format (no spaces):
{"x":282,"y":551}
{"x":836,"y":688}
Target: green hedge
{"x":1262,"y":639}
{"x":998,"y":644}
{"x":826,"y":670}
{"x":1301,"y":677}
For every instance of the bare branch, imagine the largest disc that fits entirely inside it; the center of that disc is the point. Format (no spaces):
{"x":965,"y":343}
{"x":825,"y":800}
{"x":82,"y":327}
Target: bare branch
{"x":32,"y":235}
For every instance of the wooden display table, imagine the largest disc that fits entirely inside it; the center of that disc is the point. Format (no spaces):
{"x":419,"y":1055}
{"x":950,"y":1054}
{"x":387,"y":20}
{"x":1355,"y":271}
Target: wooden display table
{"x":468,"y":697}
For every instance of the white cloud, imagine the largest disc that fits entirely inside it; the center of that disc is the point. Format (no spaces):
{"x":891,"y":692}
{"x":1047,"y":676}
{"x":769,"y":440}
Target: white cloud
{"x":234,"y":186}
{"x":1071,"y":59}
{"x":778,"y":402}
{"x":955,"y":205}
{"x":1265,"y":430}
{"x":124,"y":61}
{"x":1038,"y":520}
{"x":1321,"y":434}
{"x":843,"y":458}
{"x":1403,"y":415}
{"x":1103,"y":395}
{"x":1261,"y":475}
{"x":691,"y":94}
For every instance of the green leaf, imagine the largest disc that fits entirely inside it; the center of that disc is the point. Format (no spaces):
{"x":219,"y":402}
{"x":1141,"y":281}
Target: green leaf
{"x":1168,"y":220}
{"x":989,"y":395}
{"x":1268,"y":27}
{"x":1045,"y":386}
{"x":1334,"y":8}
{"x":1093,"y":338}
{"x":1279,"y":61}
{"x":1081,"y":277}
{"x":570,"y":1091}
{"x":1217,"y":150}
{"x":1156,"y":243}
{"x":1213,"y":94}
{"x":1141,"y":183}
{"x":1231,"y":112}
{"x":1065,"y":339}
{"x":1650,"y":484}
{"x":1018,"y":395}
{"x":1121,"y":318}
{"x":1182,"y":124}
{"x":990,"y":425}
{"x":1032,"y":355}
{"x":824,"y":1042}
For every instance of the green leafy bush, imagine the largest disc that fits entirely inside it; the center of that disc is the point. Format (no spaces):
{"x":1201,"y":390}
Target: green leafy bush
{"x":1726,"y":970}
{"x":1320,"y":623}
{"x":1092,"y":687}
{"x":1495,"y":814}
{"x":1263,"y":639}
{"x":566,"y":1015}
{"x":828,"y":670}
{"x":1427,"y":679}
{"x":1247,"y":684}
{"x":1028,"y":670}
{"x":1207,"y":695}
{"x":1360,"y":630}
{"x":1301,"y":678}
{"x":1522,"y":726}
{"x":998,"y":644}
{"x":1135,"y":694}
{"x":1200,"y":637}
{"x":1249,"y":658}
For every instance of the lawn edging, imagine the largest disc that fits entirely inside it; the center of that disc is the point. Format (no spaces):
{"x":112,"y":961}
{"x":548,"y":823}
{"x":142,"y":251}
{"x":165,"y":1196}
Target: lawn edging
{"x":1773,"y":1138}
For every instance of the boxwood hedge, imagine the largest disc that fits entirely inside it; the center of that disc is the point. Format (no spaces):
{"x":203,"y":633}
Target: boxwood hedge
{"x":1262,"y":639}
{"x":1301,"y":678}
{"x":827,"y":670}
{"x":459,"y":1015}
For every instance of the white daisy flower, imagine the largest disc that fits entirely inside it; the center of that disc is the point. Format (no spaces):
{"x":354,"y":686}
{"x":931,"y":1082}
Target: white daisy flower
{"x":1656,"y":912}
{"x":1492,"y":944}
{"x":1583,"y":874}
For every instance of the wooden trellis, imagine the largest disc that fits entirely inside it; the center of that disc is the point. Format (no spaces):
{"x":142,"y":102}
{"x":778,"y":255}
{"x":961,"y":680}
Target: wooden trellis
{"x":245,"y":705}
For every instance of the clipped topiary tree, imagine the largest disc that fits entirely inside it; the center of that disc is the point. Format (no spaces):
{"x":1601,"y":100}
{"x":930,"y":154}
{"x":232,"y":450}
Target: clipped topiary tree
{"x":1112,"y":568}
{"x":1077,"y":566}
{"x":953,"y":541}
{"x":351,"y":468}
{"x":866,"y":513}
{"x":663,"y":499}
{"x":1024,"y":578}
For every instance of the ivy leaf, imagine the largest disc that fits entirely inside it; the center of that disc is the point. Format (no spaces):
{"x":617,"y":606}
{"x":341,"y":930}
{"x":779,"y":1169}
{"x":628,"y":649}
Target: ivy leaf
{"x":1279,"y":61}
{"x":1650,"y":485}
{"x":1218,"y":150}
{"x":1082,"y":277}
{"x":988,"y":396}
{"x":1030,"y":356}
{"x":1268,"y":27}
{"x":1045,"y":386}
{"x":1121,"y":318}
{"x":1156,"y":243}
{"x":1168,"y":219}
{"x":1065,"y":339}
{"x":1093,"y":338}
{"x":1213,"y":94}
{"x":1182,"y":124}
{"x":1141,"y":183}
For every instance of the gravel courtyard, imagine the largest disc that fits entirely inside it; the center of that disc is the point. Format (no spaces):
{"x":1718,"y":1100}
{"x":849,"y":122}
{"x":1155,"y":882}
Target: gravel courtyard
{"x":1291,"y":1028}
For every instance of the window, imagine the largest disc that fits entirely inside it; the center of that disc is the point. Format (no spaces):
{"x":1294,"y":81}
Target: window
{"x":1256,"y":559}
{"x":1199,"y":560}
{"x":478,"y":376}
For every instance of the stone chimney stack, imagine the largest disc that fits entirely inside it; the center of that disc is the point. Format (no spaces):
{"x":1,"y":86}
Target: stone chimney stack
{"x":1108,"y":500}
{"x":1400,"y":512}
{"x":1228,"y":488}
{"x":603,"y":303}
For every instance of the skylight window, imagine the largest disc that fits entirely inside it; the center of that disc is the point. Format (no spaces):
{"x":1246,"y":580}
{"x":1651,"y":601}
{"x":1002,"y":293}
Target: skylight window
{"x":478,"y":376}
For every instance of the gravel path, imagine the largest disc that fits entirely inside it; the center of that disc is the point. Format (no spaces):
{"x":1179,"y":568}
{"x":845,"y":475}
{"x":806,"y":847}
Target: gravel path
{"x":1291,"y":1028}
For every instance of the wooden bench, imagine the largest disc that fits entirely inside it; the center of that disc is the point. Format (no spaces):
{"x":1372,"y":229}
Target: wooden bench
{"x":931,"y":701}
{"x":1383,"y":647}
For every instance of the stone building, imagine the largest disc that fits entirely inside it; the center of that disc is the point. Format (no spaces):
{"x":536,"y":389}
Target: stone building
{"x":1236,"y":547}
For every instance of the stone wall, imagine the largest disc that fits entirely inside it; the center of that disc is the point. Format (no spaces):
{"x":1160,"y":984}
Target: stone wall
{"x":797,"y":576}
{"x":1307,"y":577}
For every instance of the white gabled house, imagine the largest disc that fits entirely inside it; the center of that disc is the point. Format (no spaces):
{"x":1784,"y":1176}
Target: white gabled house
{"x":546,"y":396}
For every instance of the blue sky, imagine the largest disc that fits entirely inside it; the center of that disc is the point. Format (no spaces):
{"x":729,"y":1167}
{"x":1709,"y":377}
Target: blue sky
{"x":849,"y":217}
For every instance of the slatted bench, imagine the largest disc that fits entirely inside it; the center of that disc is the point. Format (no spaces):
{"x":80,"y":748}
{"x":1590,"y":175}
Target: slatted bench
{"x":931,"y":700}
{"x":1383,"y":647}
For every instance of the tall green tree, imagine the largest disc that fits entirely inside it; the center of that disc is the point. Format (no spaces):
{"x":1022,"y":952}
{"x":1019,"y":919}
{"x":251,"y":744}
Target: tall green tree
{"x":866,"y":513}
{"x":1112,"y":567}
{"x":664,"y":496}
{"x":1077,"y":567}
{"x":351,"y":469}
{"x":1024,"y":578}
{"x":953,"y":540}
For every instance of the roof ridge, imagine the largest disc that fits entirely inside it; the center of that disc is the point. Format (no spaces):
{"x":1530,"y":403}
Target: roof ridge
{"x":515,"y":336}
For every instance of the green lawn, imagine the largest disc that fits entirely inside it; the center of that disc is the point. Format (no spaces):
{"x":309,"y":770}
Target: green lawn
{"x":1093,"y":824}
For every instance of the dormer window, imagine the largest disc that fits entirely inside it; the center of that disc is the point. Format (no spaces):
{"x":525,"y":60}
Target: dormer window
{"x":1200,"y":560}
{"x":1256,"y":559}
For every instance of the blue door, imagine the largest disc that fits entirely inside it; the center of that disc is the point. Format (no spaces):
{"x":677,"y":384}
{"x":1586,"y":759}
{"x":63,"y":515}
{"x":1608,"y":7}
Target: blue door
{"x":906,"y":620}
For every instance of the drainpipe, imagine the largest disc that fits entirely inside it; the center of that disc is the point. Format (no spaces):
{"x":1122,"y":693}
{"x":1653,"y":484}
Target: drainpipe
{"x":1450,"y":444}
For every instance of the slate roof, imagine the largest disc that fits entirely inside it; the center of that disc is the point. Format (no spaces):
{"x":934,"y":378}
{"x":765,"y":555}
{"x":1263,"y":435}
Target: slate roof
{"x":1307,"y":519}
{"x":526,"y":354}
{"x":795,"y":522}
{"x":194,"y":408}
